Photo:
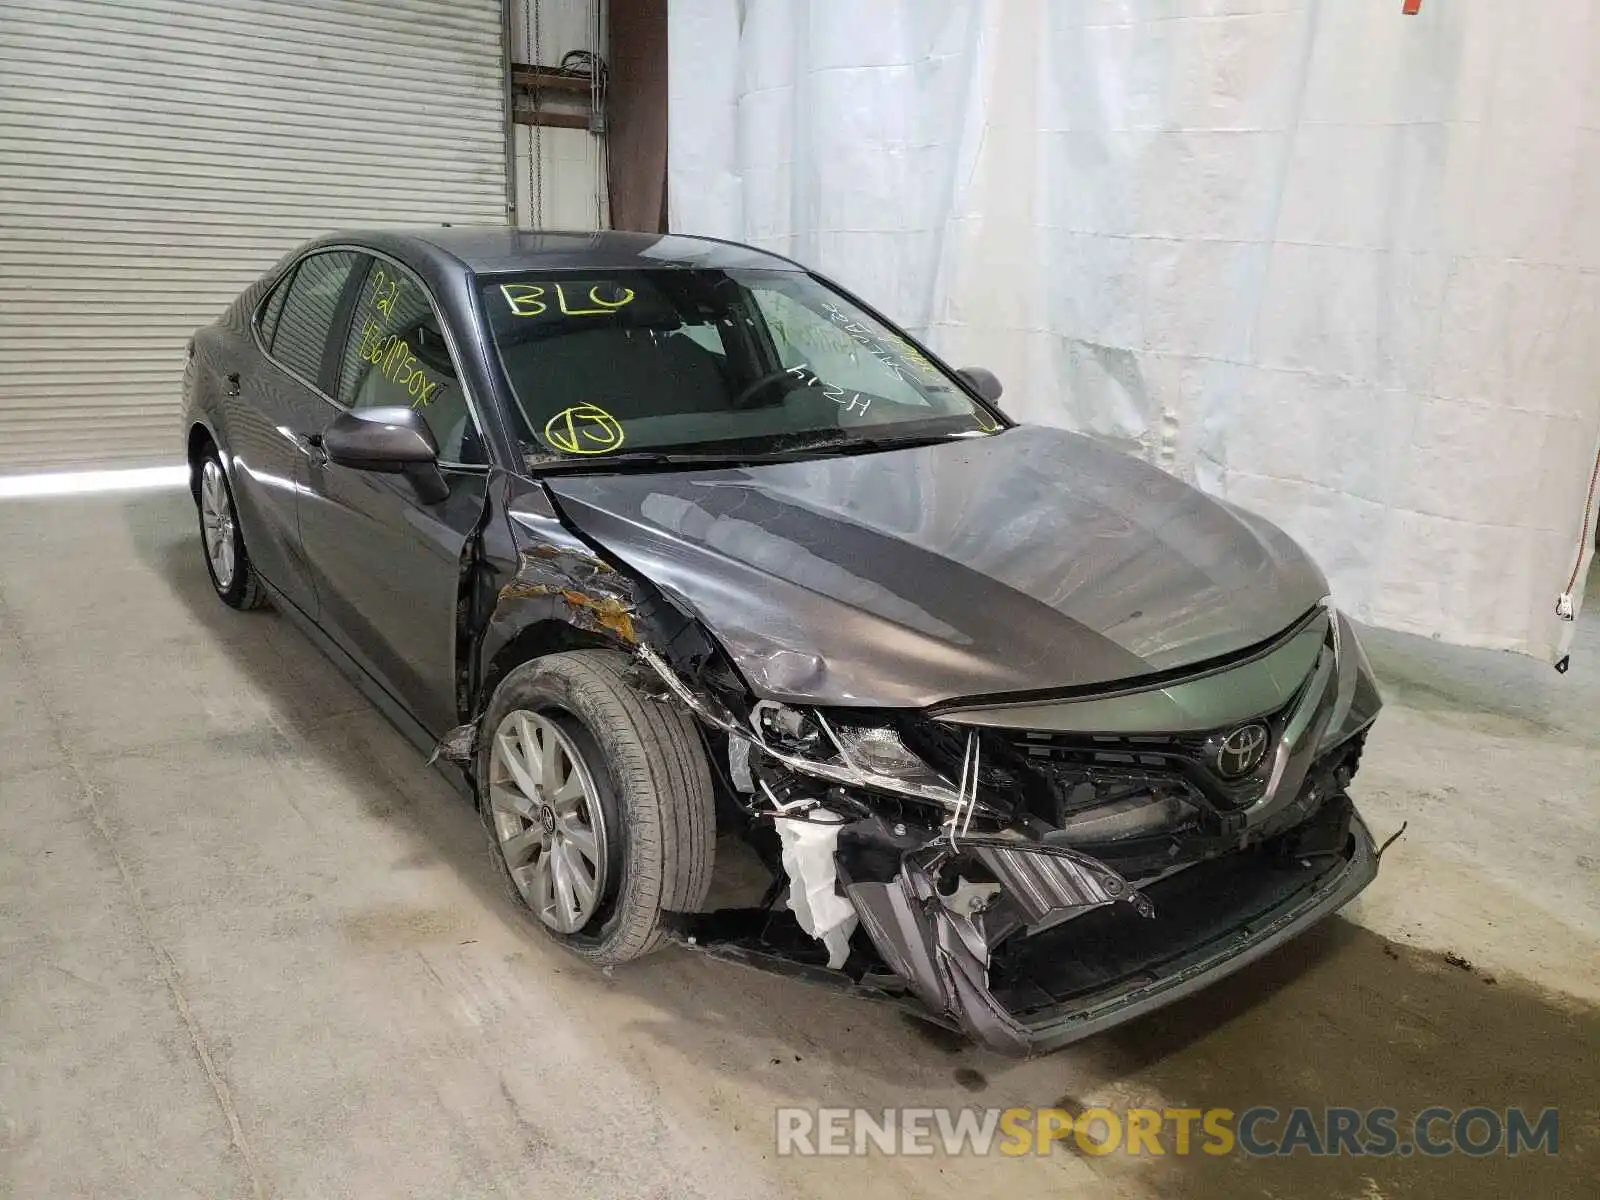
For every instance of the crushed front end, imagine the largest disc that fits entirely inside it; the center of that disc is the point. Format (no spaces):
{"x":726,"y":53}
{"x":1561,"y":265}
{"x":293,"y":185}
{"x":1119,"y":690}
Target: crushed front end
{"x":1033,"y":872}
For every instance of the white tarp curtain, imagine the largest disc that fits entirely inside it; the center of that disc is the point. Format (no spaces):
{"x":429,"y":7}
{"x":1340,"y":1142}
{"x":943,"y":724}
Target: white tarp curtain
{"x":1331,"y":262}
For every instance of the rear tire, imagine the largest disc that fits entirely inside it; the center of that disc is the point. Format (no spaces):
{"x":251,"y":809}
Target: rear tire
{"x":221,"y":540}
{"x":649,"y":809}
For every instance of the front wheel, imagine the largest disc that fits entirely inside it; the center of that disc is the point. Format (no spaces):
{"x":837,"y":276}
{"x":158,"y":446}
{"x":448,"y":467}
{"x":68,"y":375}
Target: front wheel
{"x":227,"y":562}
{"x":597,"y":800}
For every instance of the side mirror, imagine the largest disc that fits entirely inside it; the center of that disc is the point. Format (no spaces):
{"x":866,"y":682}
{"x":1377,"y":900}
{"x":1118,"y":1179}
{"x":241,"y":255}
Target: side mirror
{"x":983,"y":381}
{"x":380,"y":439}
{"x":390,"y":441}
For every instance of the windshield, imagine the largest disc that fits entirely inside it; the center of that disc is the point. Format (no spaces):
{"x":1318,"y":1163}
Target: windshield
{"x":701,"y":361}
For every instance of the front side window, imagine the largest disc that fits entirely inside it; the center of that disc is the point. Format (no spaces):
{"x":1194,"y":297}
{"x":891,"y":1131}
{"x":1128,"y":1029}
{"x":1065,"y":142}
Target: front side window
{"x":397,"y":357}
{"x":301,"y":338}
{"x":709,"y":360}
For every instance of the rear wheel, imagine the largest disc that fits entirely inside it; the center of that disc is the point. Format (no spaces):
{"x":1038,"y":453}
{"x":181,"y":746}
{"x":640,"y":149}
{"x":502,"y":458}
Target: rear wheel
{"x":232,"y":575}
{"x":598,"y":802}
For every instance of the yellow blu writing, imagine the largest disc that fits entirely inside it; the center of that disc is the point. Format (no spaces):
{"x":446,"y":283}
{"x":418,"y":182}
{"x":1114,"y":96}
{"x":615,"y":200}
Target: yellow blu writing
{"x":528,"y":300}
{"x":524,"y":299}
{"x":603,"y":306}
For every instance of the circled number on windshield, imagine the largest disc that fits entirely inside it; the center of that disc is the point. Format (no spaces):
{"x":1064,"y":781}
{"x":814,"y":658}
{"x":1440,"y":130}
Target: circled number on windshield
{"x":584,"y":429}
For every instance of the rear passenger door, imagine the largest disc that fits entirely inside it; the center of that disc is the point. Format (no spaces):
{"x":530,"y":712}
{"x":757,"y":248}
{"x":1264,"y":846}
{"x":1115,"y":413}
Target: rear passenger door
{"x":279,"y":399}
{"x":387,"y":566}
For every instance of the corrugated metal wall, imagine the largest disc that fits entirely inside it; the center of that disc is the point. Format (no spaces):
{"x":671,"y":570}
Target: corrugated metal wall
{"x":157,"y":155}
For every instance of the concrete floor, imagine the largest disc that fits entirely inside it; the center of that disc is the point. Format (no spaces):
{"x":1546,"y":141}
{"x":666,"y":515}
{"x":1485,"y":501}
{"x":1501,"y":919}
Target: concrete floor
{"x":250,"y":947}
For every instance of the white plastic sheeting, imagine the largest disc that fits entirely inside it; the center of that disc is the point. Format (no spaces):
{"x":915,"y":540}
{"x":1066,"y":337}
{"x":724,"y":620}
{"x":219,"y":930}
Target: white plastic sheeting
{"x":1331,"y":262}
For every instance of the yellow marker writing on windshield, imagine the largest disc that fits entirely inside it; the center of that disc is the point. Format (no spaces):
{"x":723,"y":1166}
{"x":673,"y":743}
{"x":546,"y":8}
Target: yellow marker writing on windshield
{"x":523,"y":298}
{"x":527,"y":300}
{"x":584,"y":429}
{"x":605,"y":306}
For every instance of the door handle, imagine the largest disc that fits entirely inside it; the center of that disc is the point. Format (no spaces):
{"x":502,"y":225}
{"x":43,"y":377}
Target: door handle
{"x":233,"y":383}
{"x":310,"y":444}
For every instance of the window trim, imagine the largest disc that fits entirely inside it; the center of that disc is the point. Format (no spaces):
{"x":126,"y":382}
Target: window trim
{"x":282,"y":283}
{"x":474,"y":409}
{"x":287,"y":279}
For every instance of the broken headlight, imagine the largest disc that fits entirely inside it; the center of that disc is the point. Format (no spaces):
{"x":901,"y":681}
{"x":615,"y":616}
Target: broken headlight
{"x":842,"y":751}
{"x":790,"y":729}
{"x":878,"y":749}
{"x":808,"y":743}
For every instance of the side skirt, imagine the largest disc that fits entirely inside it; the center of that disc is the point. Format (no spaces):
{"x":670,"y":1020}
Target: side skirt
{"x":396,"y":713}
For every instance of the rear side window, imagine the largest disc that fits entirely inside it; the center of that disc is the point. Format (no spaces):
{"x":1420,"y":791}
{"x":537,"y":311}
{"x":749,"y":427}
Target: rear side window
{"x":309,"y":309}
{"x":274,"y":307}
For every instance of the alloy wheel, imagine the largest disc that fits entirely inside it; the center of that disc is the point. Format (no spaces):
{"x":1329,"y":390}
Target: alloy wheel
{"x":548,"y":821}
{"x":216,"y":519}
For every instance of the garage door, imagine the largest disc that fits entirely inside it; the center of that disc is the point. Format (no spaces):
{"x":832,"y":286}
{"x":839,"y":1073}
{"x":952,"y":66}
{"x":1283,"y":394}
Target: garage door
{"x":156,"y":155}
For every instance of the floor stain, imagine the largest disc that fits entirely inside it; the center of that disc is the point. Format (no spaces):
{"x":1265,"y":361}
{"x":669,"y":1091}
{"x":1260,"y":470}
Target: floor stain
{"x":382,"y":926}
{"x":971,"y":1080}
{"x":421,"y":859}
{"x":1343,"y":1017}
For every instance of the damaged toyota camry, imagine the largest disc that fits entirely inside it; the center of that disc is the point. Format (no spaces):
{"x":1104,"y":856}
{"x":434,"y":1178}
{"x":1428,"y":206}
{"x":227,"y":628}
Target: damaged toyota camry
{"x":679,"y":556}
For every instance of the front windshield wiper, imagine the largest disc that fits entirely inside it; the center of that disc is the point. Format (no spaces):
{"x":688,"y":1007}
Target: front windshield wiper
{"x":792,"y":452}
{"x":564,"y":463}
{"x":850,"y":445}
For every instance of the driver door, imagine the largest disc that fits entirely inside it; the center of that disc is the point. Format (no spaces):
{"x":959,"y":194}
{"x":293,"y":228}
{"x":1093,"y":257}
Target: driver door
{"x":387,"y":567}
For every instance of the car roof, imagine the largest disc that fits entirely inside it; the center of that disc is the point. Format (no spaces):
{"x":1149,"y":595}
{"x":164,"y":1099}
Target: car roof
{"x":493,"y":248}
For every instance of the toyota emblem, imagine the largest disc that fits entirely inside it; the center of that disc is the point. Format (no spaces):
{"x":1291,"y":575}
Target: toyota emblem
{"x":1242,"y":750}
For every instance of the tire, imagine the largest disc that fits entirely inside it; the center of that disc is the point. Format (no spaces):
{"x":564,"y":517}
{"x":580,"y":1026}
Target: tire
{"x":232,"y":574}
{"x":652,"y":805}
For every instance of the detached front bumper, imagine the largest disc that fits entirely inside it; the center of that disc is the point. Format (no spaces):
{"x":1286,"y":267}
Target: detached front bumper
{"x":1067,"y":948}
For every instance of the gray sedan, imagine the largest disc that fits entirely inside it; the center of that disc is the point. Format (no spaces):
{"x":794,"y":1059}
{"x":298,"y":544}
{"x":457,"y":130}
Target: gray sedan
{"x":650,"y":538}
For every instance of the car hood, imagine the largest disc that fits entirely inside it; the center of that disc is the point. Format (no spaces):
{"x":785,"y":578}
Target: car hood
{"x":1031,"y":561}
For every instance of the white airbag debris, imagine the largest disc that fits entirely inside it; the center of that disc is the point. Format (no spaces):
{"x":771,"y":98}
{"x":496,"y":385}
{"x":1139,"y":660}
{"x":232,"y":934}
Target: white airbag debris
{"x":808,"y":846}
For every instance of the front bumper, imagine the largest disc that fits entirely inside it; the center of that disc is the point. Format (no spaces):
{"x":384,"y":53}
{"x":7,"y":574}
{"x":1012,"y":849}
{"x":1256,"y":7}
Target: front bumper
{"x":1056,"y":944}
{"x":1027,"y":939}
{"x":1099,"y":967}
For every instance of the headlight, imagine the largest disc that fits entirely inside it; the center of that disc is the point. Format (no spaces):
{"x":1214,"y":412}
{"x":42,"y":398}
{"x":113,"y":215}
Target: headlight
{"x":867,"y":756}
{"x":879,"y":750}
{"x":1356,"y":701}
{"x":790,"y":729}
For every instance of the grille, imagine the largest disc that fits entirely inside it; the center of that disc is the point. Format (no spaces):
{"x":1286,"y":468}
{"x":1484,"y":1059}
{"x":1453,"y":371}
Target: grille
{"x":1067,"y":775}
{"x":1088,"y":771}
